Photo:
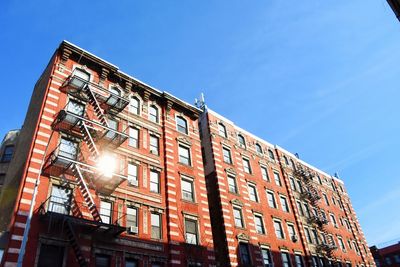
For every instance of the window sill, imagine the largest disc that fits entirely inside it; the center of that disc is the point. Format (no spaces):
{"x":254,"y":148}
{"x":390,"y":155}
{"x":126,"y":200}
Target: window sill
{"x":189,"y":202}
{"x":185,"y":165}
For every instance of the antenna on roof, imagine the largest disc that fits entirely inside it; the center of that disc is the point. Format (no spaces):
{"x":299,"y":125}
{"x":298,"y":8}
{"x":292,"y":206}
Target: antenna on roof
{"x":336,"y":175}
{"x":297,"y":155}
{"x":201,"y":104}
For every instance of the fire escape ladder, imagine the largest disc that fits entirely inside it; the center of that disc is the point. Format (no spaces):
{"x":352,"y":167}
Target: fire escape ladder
{"x":74,"y":243}
{"x":96,"y":106}
{"x":87,"y":137}
{"x":86,"y":193}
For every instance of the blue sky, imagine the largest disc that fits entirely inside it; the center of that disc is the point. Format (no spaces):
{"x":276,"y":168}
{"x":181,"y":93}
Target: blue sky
{"x":320,"y":78}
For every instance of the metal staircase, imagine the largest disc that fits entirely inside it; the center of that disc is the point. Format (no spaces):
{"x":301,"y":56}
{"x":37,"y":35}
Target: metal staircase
{"x":72,"y":239}
{"x":96,"y":106}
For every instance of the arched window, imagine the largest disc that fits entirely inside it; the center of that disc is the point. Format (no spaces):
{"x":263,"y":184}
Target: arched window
{"x":242,"y":141}
{"x":181,"y":125}
{"x":79,"y":78}
{"x":286,"y":160}
{"x":115,"y":91}
{"x":259,"y":149}
{"x":134,"y":105}
{"x":292,"y":163}
{"x":222,"y":130}
{"x":271,"y":154}
{"x":153,"y":114}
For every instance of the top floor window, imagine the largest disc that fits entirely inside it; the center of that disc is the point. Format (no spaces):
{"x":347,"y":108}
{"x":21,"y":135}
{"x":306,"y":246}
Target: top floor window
{"x":134,"y":105}
{"x":153,"y":113}
{"x":259,"y":149}
{"x":7,"y":154}
{"x":292,"y":163}
{"x":81,"y":77}
{"x":271,"y":154}
{"x":181,"y":125}
{"x":242,"y":141}
{"x":115,"y":91}
{"x":222,"y":130}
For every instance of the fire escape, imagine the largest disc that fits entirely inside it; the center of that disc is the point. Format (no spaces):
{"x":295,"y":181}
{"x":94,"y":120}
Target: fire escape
{"x":310,"y":194}
{"x":75,"y":162}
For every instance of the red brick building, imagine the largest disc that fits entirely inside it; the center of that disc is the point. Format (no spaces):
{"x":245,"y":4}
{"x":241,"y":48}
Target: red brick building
{"x":388,"y":256}
{"x":270,"y":208}
{"x":109,"y":173}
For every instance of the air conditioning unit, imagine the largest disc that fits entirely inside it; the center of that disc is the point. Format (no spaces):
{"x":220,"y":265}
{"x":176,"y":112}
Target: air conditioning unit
{"x":294,"y":238}
{"x":134,"y":182}
{"x":133,"y":230}
{"x":153,"y":151}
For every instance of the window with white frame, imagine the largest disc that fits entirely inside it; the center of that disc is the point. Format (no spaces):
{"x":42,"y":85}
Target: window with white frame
{"x":246,"y":165}
{"x":60,"y":200}
{"x":264,"y":173}
{"x":292,"y":183}
{"x":277,"y":179}
{"x":266,"y":256}
{"x":285,"y":259}
{"x":187,"y":188}
{"x":314,"y":236}
{"x":133,"y":174}
{"x":259,"y":149}
{"x":237,"y":215}
{"x":232,"y":184}
{"x":134,"y":105}
{"x":341,"y":244}
{"x":333,"y":220}
{"x":131,"y":216}
{"x":222,"y":130}
{"x":242,"y":141}
{"x":113,"y":125}
{"x":75,"y":107}
{"x":68,"y":149}
{"x":299,"y":186}
{"x":154,"y":181}
{"x":153,"y":113}
{"x":105,"y":211}
{"x":181,"y":125}
{"x":252,"y":192}
{"x":284,"y":204}
{"x":155,"y":225}
{"x":278,"y":229}
{"x":300,"y":208}
{"x":133,"y":137}
{"x":154,"y":145}
{"x":291,"y":231}
{"x":308,"y":235}
{"x":298,"y":259}
{"x":271,"y":154}
{"x":184,"y":155}
{"x":259,"y":224}
{"x":227,"y":155}
{"x":326,"y":199}
{"x":271,"y":199}
{"x":191,"y":232}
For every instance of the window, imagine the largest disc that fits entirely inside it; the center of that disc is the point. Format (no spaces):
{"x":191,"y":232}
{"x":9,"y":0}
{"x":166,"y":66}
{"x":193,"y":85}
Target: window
{"x":222,"y":130}
{"x":298,"y":259}
{"x":153,"y":114}
{"x":271,"y":154}
{"x":237,"y":214}
{"x":68,"y":149}
{"x":292,"y":231}
{"x":292,"y":183}
{"x":244,"y":253}
{"x":286,"y":160}
{"x":232,"y":184}
{"x":285,"y":259}
{"x":134,"y":105}
{"x":184,"y":155}
{"x":308,"y":235}
{"x":154,"y":145}
{"x":300,"y":208}
{"x":315,"y":261}
{"x":131,"y":263}
{"x":319,"y":180}
{"x":267,"y":259}
{"x":278,"y":229}
{"x":191,"y":233}
{"x":60,"y":200}
{"x":75,"y":108}
{"x":131,"y":216}
{"x":322,"y":262}
{"x":113,"y":125}
{"x":252,"y":192}
{"x":246,"y":166}
{"x":326,"y":199}
{"x":277,"y":179}
{"x":80,"y":78}
{"x":299,"y":186}
{"x":181,"y":125}
{"x":154,"y":181}
{"x":259,"y":149}
{"x":155,"y":226}
{"x":333,"y":220}
{"x":105,"y":211}
{"x":227,"y":155}
{"x":292,"y":163}
{"x":187,"y":189}
{"x":242,"y":141}
{"x":341,"y":244}
{"x":396,"y":258}
{"x":102,"y":260}
{"x":264,"y":173}
{"x":307,"y":210}
{"x":50,"y":256}
{"x":133,"y":174}
{"x":271,"y":200}
{"x":133,"y":137}
{"x":333,"y":201}
{"x":284,"y":204}
{"x":258,"y":221}
{"x":315,"y":236}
